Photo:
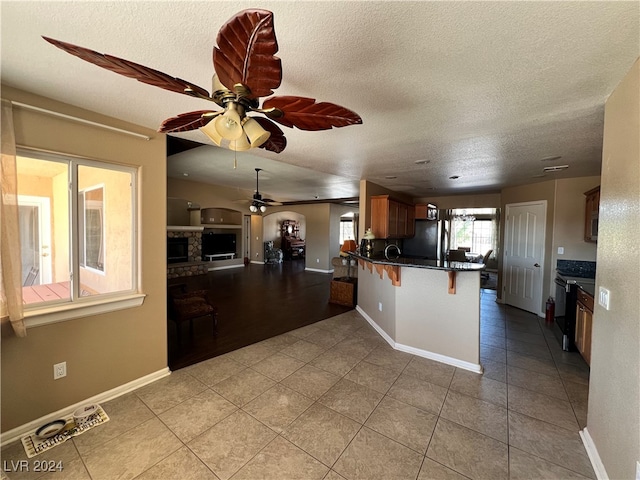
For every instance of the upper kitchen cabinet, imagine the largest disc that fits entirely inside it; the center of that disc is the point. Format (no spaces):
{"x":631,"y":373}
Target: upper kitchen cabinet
{"x":426,"y":212}
{"x":592,"y":206}
{"x":392,"y":218}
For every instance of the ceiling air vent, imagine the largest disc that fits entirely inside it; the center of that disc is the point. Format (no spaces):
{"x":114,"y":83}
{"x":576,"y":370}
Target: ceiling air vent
{"x":555,"y":168}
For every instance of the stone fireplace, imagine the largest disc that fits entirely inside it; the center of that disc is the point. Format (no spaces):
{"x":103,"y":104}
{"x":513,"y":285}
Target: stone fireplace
{"x":184,"y":252}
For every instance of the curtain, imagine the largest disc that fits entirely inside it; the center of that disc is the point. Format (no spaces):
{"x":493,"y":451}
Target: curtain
{"x":10,"y":259}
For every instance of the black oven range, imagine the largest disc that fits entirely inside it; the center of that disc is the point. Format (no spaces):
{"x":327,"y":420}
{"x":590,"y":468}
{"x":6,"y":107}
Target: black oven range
{"x":565,"y":308}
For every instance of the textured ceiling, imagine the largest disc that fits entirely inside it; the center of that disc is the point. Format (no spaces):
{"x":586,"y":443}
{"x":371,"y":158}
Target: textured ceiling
{"x":481,"y":90}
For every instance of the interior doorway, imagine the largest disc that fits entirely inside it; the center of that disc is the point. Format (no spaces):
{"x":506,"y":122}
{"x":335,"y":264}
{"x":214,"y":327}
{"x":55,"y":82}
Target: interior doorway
{"x":523,"y":270}
{"x":34,"y":214}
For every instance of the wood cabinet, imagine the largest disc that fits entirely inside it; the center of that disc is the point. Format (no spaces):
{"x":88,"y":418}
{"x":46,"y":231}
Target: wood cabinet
{"x":392,"y":218}
{"x":426,"y":212}
{"x":584,"y":320}
{"x":592,"y":208}
{"x":292,"y":245}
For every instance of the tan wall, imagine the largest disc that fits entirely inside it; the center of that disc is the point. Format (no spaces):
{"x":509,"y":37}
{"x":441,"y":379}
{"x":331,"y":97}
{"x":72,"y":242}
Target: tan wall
{"x":117,"y":219}
{"x":105,"y":351}
{"x":373,"y":290}
{"x":317,"y":218}
{"x":568,"y":221}
{"x":257,"y":246}
{"x":431,"y":319}
{"x":528,"y":193}
{"x":614,"y":388}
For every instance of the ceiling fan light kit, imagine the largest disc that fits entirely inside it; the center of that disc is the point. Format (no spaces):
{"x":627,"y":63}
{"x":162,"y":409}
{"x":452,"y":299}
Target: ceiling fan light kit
{"x":228,"y":125}
{"x":256,"y":134}
{"x":246,"y":69}
{"x":258,"y":204}
{"x":254,"y":208}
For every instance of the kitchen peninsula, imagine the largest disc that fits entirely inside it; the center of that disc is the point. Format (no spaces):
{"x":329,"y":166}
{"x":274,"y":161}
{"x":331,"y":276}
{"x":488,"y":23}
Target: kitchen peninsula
{"x":429,"y":308}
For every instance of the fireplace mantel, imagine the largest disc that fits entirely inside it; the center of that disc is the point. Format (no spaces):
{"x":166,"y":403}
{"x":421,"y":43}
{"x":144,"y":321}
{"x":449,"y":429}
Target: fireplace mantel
{"x":184,"y":228}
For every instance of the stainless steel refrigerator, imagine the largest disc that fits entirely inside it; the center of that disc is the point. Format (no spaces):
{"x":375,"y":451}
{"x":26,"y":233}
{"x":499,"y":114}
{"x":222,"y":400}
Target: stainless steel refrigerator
{"x":430,"y":240}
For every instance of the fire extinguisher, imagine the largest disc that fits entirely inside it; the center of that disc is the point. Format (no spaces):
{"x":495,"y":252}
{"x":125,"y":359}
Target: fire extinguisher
{"x":550,"y":310}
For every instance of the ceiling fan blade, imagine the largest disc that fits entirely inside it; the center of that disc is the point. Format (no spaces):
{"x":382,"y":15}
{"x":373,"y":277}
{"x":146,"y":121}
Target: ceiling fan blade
{"x":305,"y":114}
{"x":187,"y":121}
{"x":276,"y":142}
{"x":130,"y":69}
{"x":246,"y":53}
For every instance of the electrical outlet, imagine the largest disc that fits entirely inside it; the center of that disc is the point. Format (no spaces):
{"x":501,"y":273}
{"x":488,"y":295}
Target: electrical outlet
{"x":560,"y":250}
{"x":317,"y":260}
{"x":380,"y":306}
{"x":59,"y":370}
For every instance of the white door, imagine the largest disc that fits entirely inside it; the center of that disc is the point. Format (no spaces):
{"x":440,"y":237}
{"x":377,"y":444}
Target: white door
{"x":35,"y":237}
{"x":524,"y":255}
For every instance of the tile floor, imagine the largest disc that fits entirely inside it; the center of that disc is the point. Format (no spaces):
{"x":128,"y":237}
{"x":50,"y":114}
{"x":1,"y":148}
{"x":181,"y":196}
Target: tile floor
{"x":333,"y":401}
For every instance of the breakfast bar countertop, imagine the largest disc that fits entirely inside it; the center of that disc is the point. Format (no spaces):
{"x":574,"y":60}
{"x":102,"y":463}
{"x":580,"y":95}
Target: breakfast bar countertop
{"x":423,"y":263}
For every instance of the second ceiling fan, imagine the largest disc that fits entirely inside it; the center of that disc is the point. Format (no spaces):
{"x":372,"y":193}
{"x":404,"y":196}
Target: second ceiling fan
{"x":259,"y":204}
{"x":246,"y":69}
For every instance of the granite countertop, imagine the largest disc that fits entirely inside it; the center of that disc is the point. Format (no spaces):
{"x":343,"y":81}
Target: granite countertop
{"x":423,"y":263}
{"x":581,"y":273}
{"x":585,"y":283}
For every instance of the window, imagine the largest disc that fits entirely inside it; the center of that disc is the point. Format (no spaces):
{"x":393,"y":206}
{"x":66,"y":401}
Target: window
{"x":346,"y":228}
{"x":475,"y":229}
{"x":77,"y":219}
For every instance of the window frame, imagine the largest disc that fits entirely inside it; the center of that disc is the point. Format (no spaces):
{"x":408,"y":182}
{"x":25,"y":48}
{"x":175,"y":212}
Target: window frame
{"x":77,"y":306}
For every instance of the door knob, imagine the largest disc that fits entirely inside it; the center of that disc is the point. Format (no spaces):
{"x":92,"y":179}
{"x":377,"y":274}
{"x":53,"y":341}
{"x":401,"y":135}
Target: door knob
{"x":45,"y":254}
{"x":537,"y":265}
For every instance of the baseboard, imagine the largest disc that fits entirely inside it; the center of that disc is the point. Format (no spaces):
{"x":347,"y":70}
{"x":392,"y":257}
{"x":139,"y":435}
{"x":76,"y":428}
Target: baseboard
{"x":18,"y":432}
{"x":307,"y":269}
{"x":375,"y":326}
{"x":211,"y":269}
{"x":473,"y":367}
{"x":594,"y":456}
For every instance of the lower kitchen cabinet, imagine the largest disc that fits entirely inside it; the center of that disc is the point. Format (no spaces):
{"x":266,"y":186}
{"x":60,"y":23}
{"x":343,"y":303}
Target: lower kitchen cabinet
{"x":584,"y":321}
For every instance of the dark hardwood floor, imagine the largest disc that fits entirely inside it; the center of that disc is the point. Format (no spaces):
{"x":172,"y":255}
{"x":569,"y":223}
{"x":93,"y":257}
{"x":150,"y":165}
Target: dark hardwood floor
{"x":254,"y":303}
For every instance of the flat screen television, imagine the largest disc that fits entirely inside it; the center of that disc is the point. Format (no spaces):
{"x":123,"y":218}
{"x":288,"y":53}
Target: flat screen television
{"x":216,"y":243}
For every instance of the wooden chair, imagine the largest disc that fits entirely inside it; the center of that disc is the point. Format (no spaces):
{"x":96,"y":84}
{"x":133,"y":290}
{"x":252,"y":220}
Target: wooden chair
{"x":485,"y":259}
{"x":31,"y":277}
{"x":185,"y":306}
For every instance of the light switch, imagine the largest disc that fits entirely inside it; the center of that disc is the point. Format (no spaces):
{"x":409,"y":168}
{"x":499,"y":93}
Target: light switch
{"x":560,"y":250}
{"x":603,"y":297}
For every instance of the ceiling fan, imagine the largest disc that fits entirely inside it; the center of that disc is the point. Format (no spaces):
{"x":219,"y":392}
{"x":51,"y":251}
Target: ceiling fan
{"x":246,"y":69}
{"x":259,"y":204}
